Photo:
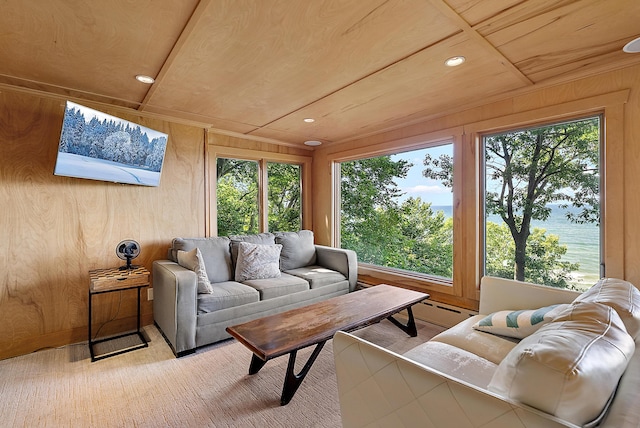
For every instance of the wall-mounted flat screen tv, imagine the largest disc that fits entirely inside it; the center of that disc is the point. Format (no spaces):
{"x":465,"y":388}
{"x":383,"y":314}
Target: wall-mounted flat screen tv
{"x":98,"y":146}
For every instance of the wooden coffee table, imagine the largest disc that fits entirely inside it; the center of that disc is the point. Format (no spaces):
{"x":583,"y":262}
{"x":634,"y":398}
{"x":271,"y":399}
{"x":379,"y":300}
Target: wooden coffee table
{"x":290,"y":331}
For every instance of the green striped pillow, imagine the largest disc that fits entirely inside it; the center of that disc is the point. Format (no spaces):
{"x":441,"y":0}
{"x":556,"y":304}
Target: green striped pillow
{"x":518,"y":324}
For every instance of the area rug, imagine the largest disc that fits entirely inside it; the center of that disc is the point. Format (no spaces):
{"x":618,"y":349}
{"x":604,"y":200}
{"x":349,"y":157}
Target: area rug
{"x":152,"y":388}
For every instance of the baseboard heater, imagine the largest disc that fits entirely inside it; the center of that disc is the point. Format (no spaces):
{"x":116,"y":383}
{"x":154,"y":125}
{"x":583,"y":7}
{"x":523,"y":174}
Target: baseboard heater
{"x":437,"y":313}
{"x":441,"y":314}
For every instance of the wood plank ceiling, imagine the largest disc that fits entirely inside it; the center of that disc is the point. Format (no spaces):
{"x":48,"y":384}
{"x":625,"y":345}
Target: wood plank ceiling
{"x":259,"y":67}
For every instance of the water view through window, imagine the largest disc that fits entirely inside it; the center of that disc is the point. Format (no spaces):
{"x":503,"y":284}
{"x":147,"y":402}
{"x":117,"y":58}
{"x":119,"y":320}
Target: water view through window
{"x":389,"y":215}
{"x":581,"y":240}
{"x":542,"y":204}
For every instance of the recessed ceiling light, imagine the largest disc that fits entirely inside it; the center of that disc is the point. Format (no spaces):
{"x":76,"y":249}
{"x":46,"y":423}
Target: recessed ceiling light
{"x":454,"y":61}
{"x":309,"y":120}
{"x":312,"y":143}
{"x":633,"y":46}
{"x":145,"y":79}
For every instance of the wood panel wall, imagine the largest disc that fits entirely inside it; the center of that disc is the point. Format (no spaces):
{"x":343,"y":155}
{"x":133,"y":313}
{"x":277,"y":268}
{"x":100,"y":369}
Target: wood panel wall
{"x":617,"y":92}
{"x":53,"y":230}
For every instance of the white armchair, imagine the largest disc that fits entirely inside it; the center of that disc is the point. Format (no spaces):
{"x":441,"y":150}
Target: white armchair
{"x":448,"y":381}
{"x":379,"y":388}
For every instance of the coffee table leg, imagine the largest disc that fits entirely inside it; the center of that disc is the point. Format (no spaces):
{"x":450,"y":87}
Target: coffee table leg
{"x":292,"y":381}
{"x":410,"y":328}
{"x":256,"y":364}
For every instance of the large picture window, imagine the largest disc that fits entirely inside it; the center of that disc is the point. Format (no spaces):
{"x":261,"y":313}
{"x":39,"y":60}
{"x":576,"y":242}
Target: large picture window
{"x":542,"y":204}
{"x":395,"y":213}
{"x":538,"y":195}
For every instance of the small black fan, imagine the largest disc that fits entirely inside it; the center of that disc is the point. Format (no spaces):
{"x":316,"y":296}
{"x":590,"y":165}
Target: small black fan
{"x":128,"y":250}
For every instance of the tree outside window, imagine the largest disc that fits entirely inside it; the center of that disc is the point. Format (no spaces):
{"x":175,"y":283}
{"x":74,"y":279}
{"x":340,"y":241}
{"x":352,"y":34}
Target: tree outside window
{"x":385,"y":219}
{"x":542,"y":203}
{"x":237,"y":197}
{"x":284,"y":195}
{"x":536,"y":175}
{"x":238,"y":202}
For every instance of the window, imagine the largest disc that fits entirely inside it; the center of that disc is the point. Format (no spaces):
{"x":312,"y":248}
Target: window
{"x":396,"y":210}
{"x":284,"y":189}
{"x":237,"y":196}
{"x":254,"y":196}
{"x":542,"y":204}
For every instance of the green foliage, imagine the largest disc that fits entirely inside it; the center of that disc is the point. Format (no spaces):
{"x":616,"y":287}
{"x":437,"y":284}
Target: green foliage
{"x":284,"y":189}
{"x":527,"y":171}
{"x":543,"y":259}
{"x":408,"y":236}
{"x":428,"y":238}
{"x":536,"y":167}
{"x":237,"y":197}
{"x":368,"y":184}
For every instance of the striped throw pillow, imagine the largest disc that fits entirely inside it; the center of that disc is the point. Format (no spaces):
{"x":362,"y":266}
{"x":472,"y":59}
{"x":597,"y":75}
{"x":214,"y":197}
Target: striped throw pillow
{"x":518,"y":324}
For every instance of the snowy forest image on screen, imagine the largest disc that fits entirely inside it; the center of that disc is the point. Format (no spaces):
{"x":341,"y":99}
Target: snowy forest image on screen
{"x":98,"y":146}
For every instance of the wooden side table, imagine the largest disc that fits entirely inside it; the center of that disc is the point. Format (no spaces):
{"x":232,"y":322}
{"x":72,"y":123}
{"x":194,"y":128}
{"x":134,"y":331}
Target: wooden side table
{"x":115,"y":279}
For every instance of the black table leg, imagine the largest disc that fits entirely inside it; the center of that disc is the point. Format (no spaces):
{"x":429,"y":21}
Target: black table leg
{"x":410,"y":327}
{"x":256,"y":364}
{"x":292,"y":380}
{"x":93,"y":357}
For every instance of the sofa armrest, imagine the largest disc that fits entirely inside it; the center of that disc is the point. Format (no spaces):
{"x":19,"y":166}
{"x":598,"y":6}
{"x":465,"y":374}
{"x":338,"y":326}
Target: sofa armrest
{"x":340,"y":260}
{"x":377,"y":387}
{"x":499,"y":294}
{"x":175,"y":293}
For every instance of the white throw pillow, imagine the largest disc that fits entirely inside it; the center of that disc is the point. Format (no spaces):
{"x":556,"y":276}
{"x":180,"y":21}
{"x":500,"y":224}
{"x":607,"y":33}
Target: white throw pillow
{"x":257,"y":261}
{"x":518,"y":324}
{"x":192,"y":260}
{"x":571,"y":366}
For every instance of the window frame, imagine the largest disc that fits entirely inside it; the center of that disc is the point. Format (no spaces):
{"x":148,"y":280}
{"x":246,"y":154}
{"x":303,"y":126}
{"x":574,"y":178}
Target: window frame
{"x":610,"y":108}
{"x":416,"y":280}
{"x":262,"y":157}
{"x":258,"y":192}
{"x":432,"y":277}
{"x":467,"y":197}
{"x":536,"y":125}
{"x":267,"y":207}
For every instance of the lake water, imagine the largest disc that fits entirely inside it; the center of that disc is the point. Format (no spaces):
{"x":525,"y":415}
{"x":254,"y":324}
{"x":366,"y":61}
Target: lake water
{"x":582,"y":241}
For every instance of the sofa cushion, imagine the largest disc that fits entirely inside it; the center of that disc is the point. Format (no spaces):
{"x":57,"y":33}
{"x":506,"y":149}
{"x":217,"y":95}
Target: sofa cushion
{"x":571,"y":366}
{"x":257,"y":261}
{"x":225,"y":295}
{"x":265,"y":238}
{"x":317,"y":276}
{"x":192,"y":260}
{"x":622,"y":296}
{"x":518,"y":324}
{"x":215,"y":253}
{"x":276,"y":287}
{"x":298,"y":249}
{"x":488,"y":346}
{"x":454,"y":361}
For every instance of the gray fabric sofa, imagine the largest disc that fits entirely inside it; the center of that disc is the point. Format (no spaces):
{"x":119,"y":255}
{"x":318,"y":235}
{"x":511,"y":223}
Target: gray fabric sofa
{"x":307,"y":273}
